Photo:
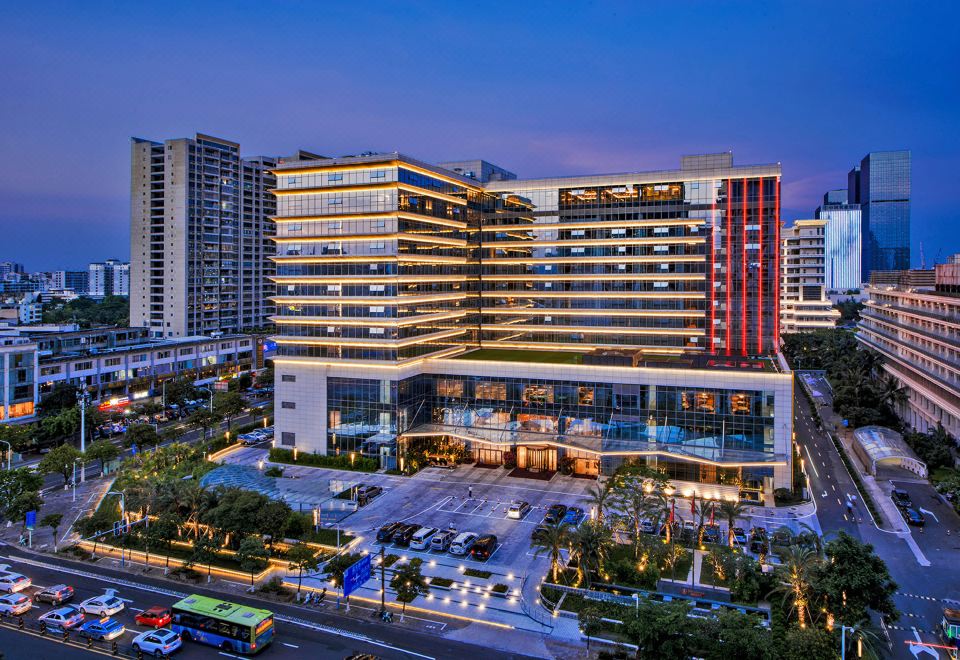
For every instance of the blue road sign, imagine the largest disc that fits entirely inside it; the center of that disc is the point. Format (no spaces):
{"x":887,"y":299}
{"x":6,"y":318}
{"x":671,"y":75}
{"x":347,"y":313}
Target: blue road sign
{"x":31,"y":520}
{"x":356,"y":575}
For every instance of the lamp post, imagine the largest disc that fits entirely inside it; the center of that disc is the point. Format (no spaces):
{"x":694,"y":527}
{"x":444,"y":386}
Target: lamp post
{"x":75,"y":461}
{"x":123,"y":515}
{"x":9,"y":453}
{"x":163,"y":396}
{"x":82,"y":399}
{"x":210,"y":392}
{"x":843,"y":642}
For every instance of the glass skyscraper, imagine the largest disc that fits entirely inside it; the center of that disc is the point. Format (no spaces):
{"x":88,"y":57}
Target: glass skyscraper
{"x":843,"y":245}
{"x":573,"y":321}
{"x":881,"y":185}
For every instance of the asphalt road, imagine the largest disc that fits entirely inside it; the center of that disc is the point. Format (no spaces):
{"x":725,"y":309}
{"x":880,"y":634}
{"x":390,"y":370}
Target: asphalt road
{"x":920,"y":588}
{"x":301,"y":632}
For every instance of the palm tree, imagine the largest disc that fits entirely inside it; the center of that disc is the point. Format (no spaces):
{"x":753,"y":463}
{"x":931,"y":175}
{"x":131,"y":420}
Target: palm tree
{"x":732,"y":511}
{"x":590,"y":546}
{"x":704,"y":508}
{"x":892,"y":392}
{"x":795,"y":573}
{"x":551,"y":540}
{"x":599,"y":496}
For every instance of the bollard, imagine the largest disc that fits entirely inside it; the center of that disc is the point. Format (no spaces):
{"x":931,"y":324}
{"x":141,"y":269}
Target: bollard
{"x":114,"y":649}
{"x":89,"y":642}
{"x":20,"y":623}
{"x":139,"y":654}
{"x":66,"y":635}
{"x":43,"y":627}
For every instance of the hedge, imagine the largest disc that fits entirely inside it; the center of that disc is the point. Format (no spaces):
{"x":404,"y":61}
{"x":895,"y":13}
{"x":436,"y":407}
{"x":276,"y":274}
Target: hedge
{"x":341,"y":462}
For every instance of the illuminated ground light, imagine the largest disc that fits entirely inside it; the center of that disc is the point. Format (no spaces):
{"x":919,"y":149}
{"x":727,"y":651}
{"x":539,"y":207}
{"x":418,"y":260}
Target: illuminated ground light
{"x":509,"y":576}
{"x":429,"y":596}
{"x":463,"y":603}
{"x":481,"y":606}
{"x":512,"y":599}
{"x":447,"y":600}
{"x":433,"y":562}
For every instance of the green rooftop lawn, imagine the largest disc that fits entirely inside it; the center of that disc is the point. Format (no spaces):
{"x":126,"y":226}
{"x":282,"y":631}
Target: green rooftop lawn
{"x":513,"y":355}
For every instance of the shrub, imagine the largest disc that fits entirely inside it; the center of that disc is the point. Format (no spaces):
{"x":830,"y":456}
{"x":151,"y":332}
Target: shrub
{"x":341,"y":462}
{"x":500,"y":589}
{"x":473,"y":572}
{"x":440,"y":582}
{"x":273,"y":471}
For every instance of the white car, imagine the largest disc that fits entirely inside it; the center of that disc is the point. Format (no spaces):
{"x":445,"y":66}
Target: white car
{"x":462,"y":544}
{"x":106,"y":605}
{"x":13,"y":582}
{"x":14,"y":604}
{"x":518,"y":510}
{"x":159,"y":643}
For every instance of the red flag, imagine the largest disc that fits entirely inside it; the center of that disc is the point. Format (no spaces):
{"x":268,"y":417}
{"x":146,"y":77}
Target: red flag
{"x":693,"y":504}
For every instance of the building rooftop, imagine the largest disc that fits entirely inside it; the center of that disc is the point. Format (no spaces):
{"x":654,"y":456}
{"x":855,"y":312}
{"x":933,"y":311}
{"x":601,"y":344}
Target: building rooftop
{"x":614,"y":359}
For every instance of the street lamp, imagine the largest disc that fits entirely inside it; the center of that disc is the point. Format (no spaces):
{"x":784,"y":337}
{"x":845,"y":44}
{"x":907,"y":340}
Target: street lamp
{"x":211,"y":396}
{"x":843,"y":641}
{"x":123,"y":515}
{"x":75,"y":461}
{"x":82,"y":399}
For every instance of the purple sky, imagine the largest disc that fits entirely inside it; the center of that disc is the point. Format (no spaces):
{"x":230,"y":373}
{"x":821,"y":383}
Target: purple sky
{"x":539,"y":88}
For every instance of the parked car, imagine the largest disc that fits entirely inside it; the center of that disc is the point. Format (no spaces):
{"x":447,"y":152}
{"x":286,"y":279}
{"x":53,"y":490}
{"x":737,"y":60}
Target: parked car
{"x":267,"y":431}
{"x":103,"y":629}
{"x":55,"y":595}
{"x":555,"y":514}
{"x":11,"y":582}
{"x":483,"y":547}
{"x":65,"y":617}
{"x":646,"y":526}
{"x":758,"y":541}
{"x":387,"y":531}
{"x":161,"y":642}
{"x":14,"y":604}
{"x":105,"y":605}
{"x":573,"y":516}
{"x":913,"y":517}
{"x":249,"y":439}
{"x":739,"y":536}
{"x":462,"y":544}
{"x":901,"y":498}
{"x":157,"y":616}
{"x":441,"y":540}
{"x":518,"y":510}
{"x":422,"y":537}
{"x":711,"y":533}
{"x":403,"y":536}
{"x":367,"y":493}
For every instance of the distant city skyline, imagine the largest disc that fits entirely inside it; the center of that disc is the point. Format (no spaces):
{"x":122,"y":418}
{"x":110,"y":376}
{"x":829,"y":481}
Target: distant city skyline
{"x":627,"y":89}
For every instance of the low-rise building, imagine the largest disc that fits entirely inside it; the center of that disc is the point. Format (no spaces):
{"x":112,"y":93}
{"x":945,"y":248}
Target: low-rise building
{"x":18,"y":379}
{"x":913,"y":320}
{"x":804,"y":303}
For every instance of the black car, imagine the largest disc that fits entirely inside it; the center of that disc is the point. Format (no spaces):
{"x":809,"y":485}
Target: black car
{"x":901,"y":498}
{"x":540,"y":531}
{"x":758,"y":541}
{"x":483,"y":547}
{"x":403,"y":536}
{"x":914,"y":517}
{"x":387,"y":531}
{"x":555,"y":514}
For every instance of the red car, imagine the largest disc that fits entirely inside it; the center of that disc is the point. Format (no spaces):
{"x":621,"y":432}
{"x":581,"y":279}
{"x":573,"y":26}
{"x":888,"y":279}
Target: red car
{"x":157,"y":617}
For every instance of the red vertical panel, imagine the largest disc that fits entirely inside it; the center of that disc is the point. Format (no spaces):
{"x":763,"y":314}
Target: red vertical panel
{"x":743,"y":274}
{"x":760,"y":275}
{"x":776,"y":290}
{"x":712,"y":291}
{"x":728,"y":227}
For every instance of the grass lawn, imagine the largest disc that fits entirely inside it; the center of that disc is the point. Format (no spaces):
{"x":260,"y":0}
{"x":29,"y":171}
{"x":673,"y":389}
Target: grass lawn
{"x":682,"y":569}
{"x":942,"y":474}
{"x":510,"y":355}
{"x":222,"y":561}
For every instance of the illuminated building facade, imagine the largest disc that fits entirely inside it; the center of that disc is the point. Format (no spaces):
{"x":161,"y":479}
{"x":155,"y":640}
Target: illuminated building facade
{"x":804,"y":305}
{"x":554,"y":322}
{"x":19,"y":394}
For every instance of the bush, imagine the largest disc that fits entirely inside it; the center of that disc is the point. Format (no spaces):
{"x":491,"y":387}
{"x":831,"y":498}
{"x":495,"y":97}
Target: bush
{"x":390,"y":560}
{"x":500,"y":589}
{"x":473,"y":572}
{"x":273,"y":471}
{"x":440,"y":582}
{"x":341,"y":462}
{"x":275,"y":586}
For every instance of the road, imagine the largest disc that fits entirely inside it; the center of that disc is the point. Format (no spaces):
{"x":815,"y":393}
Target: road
{"x":920,"y":588}
{"x":301,"y":632}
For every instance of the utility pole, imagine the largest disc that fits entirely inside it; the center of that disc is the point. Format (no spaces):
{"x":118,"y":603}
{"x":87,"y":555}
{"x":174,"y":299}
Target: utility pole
{"x":82,"y":400}
{"x":383,"y":581}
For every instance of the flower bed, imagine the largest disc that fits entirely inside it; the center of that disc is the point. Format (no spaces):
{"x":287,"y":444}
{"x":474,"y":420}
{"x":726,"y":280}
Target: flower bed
{"x":473,"y":572}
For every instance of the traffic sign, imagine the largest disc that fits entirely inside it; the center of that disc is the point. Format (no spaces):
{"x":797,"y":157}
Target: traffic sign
{"x":356,"y":575}
{"x":31,"y":520}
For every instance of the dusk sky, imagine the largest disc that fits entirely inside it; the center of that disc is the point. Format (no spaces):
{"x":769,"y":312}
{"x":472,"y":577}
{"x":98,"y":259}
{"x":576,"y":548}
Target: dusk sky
{"x":538,"y":88}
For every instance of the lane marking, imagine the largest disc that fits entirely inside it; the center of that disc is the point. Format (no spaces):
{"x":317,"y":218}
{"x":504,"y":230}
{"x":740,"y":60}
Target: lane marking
{"x":293,"y":646}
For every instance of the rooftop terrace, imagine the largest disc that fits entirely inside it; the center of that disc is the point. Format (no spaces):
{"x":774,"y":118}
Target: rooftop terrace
{"x":756,"y":364}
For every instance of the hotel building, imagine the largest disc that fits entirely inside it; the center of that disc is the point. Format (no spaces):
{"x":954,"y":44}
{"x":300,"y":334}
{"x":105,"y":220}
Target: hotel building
{"x":916,"y":327}
{"x":804,"y":305}
{"x":572,"y":321}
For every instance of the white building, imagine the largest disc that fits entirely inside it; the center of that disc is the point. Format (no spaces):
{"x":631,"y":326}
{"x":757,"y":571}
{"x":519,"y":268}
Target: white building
{"x":804,"y":305}
{"x":109,"y":278}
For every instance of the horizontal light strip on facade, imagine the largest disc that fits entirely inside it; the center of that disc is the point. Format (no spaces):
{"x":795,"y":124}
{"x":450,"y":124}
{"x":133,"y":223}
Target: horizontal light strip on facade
{"x":553,"y":311}
{"x":591,"y":330}
{"x":584,"y":347}
{"x":601,"y":224}
{"x":368,"y":187}
{"x":402,"y":258}
{"x":388,"y":365}
{"x":372,"y":300}
{"x":665,"y":295}
{"x":333,"y":168}
{"x":370,"y":343}
{"x":370,"y":279}
{"x":624,"y":259}
{"x":536,"y":277}
{"x":664,"y":240}
{"x":352,"y":238}
{"x":365,"y":321}
{"x":426,"y":219}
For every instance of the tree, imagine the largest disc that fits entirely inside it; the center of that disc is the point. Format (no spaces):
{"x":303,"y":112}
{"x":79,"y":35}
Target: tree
{"x":60,"y":459}
{"x":52,"y":520}
{"x":808,"y":644}
{"x":795,"y":578}
{"x":599,"y":496}
{"x":18,"y":493}
{"x":551,"y":540}
{"x":854,"y":580}
{"x":590,"y":546}
{"x":409,"y":583}
{"x":178,"y":391}
{"x":228,"y":405}
{"x":731,"y":510}
{"x":337,"y":566}
{"x":590,"y":616}
{"x":162,"y":533}
{"x":302,"y":558}
{"x":272,"y":519}
{"x":203,"y":420}
{"x":660,"y":630}
{"x":731,"y":634}
{"x":101,"y":450}
{"x":144,"y":436}
{"x":20,"y":437}
{"x":634,"y":505}
{"x":62,"y":397}
{"x":265,"y":377}
{"x":252,"y":555}
{"x":205,"y":550}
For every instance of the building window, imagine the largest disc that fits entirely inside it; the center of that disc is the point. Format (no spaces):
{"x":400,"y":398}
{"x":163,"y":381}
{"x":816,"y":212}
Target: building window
{"x":335,"y":177}
{"x":288,"y":439}
{"x":449,"y":387}
{"x":289,"y":405}
{"x":491,"y":391}
{"x":288,"y":378}
{"x":82,"y":366}
{"x":378,"y":174}
{"x":112,"y":362}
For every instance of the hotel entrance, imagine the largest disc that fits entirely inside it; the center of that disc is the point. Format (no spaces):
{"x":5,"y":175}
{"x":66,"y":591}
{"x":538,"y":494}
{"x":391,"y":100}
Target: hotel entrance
{"x":537,"y":459}
{"x":486,"y":456}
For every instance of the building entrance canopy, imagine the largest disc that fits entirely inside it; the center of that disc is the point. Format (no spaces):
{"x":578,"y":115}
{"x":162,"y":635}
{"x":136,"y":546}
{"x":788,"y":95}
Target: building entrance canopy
{"x":878,"y":445}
